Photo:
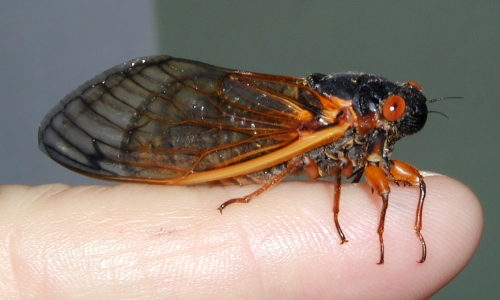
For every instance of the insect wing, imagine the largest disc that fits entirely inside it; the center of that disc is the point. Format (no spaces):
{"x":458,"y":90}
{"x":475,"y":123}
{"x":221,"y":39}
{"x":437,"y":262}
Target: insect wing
{"x":161,"y":119}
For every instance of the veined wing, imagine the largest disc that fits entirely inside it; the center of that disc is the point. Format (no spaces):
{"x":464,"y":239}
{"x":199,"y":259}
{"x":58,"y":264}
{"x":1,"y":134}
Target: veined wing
{"x":161,"y":119}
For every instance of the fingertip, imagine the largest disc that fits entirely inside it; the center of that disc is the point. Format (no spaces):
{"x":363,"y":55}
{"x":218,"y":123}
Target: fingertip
{"x":452,"y":225}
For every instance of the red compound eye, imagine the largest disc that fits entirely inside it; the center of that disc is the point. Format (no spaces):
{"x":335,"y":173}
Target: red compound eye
{"x":394,"y":108}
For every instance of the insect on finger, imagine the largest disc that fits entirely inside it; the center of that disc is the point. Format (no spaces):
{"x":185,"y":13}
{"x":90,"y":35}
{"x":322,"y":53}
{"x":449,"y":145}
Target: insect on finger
{"x":165,"y":120}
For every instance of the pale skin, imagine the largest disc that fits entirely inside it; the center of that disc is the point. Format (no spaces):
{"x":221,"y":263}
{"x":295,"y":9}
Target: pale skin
{"x":139,"y":241}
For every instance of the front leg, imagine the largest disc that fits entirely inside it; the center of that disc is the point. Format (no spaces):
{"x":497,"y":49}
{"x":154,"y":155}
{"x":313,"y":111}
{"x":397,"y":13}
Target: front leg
{"x":403,"y":172}
{"x":399,"y":172}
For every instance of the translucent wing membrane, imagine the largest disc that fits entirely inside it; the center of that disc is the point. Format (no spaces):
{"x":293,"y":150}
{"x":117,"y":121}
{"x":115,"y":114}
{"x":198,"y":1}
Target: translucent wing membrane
{"x":166,"y":118}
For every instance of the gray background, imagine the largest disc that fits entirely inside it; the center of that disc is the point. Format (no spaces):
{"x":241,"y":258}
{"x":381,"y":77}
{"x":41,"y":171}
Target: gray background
{"x":451,"y":48}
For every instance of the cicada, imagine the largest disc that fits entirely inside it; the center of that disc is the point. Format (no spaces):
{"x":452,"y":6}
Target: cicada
{"x":166,"y":120}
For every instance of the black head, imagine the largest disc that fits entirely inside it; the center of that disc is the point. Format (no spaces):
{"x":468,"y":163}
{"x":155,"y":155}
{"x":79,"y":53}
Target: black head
{"x":415,"y":116}
{"x":400,"y":103}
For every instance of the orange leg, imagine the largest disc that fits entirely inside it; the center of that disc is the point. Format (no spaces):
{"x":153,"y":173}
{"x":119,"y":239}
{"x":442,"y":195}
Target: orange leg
{"x":403,"y":172}
{"x":377,"y":179}
{"x":399,"y":172}
{"x":304,"y":161}
{"x":336,"y":205}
